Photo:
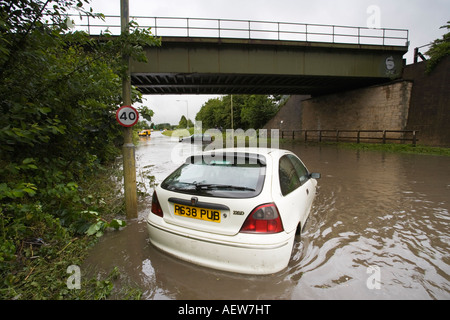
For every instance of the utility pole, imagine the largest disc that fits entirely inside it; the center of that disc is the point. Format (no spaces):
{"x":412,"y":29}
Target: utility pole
{"x":232,"y":127}
{"x":128,"y":149}
{"x":232,"y":120}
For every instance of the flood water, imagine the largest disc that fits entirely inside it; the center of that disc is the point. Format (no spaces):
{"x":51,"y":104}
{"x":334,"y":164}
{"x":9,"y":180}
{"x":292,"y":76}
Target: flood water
{"x":378,"y":229}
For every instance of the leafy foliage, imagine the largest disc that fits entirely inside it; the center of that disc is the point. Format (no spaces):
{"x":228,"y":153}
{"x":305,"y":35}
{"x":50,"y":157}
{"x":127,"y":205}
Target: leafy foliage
{"x":146,"y":113}
{"x":439,"y":49}
{"x":249,"y":111}
{"x":184,"y":123}
{"x":58,"y":94}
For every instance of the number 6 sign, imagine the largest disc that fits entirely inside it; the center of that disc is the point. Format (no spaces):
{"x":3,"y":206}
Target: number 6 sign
{"x":127,"y":116}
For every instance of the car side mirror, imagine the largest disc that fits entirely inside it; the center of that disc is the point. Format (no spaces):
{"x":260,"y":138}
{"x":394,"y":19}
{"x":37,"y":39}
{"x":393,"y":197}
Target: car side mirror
{"x":314,"y":175}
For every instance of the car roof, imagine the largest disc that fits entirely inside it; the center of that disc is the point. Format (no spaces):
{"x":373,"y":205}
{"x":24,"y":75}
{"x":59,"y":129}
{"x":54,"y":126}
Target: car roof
{"x":262,"y":151}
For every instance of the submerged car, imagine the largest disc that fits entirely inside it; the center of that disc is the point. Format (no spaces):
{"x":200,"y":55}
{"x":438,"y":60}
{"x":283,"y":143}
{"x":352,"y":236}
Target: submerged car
{"x":196,"y":138}
{"x":235,"y":210}
{"x":144,"y":133}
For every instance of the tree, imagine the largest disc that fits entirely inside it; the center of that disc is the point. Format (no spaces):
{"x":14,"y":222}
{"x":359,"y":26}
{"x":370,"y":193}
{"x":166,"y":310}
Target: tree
{"x":184,"y":123}
{"x":146,"y":113}
{"x":257,"y":111}
{"x":249,"y":111}
{"x":212,"y":114}
{"x":59,"y":91}
{"x":439,"y":49}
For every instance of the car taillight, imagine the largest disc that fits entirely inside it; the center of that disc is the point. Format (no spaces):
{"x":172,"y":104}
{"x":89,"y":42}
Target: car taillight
{"x":156,"y":207}
{"x":263,"y":219}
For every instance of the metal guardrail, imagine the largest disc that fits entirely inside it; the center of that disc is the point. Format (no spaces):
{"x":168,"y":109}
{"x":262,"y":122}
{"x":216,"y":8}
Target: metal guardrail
{"x":381,"y":136}
{"x":248,"y":29}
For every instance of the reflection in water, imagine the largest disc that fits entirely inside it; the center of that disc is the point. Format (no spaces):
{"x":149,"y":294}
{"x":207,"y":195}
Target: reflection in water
{"x":373,"y":209}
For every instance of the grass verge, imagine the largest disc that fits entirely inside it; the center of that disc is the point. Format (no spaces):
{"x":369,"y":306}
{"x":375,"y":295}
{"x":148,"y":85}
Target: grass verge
{"x":390,"y":147}
{"x":38,"y":268}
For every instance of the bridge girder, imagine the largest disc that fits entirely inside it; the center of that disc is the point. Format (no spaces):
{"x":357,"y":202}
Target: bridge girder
{"x":240,"y":66}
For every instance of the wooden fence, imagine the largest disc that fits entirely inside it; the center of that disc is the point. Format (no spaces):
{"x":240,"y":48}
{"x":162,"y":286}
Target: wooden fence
{"x":358,"y":136}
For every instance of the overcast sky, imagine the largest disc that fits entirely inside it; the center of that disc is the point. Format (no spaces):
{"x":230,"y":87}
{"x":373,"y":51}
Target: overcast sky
{"x":422,"y":18}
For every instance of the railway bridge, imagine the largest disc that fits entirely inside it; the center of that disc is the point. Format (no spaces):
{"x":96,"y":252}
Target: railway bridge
{"x":223,"y":56}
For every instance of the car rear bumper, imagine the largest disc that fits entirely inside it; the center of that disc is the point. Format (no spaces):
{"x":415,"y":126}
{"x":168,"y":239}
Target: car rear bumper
{"x":242,"y":253}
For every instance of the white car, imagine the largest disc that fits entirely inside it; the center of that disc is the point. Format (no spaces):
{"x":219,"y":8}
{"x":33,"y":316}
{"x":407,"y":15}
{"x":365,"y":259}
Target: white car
{"x":236,"y":210}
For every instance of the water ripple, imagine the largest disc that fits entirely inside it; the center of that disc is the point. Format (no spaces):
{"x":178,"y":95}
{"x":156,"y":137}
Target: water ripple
{"x":376,"y":216}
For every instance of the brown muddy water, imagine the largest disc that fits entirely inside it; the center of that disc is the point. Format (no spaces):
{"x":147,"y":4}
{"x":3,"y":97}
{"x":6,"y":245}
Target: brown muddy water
{"x":378,"y":229}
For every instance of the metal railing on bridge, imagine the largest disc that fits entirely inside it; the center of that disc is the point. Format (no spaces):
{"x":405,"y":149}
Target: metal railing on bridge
{"x":248,"y":29}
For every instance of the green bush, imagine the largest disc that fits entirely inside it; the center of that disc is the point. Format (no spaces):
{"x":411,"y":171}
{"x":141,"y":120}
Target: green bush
{"x":59,"y":91}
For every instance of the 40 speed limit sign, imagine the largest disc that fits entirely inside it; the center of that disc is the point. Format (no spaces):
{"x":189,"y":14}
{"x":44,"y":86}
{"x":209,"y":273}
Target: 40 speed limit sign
{"x":127,"y":116}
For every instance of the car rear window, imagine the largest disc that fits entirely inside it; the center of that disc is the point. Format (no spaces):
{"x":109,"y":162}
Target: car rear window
{"x":232,"y":175}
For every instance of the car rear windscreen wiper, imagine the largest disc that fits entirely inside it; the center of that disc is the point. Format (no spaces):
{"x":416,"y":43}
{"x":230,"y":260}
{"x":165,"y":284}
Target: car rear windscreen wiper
{"x":205,"y":186}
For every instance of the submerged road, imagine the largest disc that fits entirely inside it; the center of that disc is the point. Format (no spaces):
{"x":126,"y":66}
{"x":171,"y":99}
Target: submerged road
{"x":378,"y":229}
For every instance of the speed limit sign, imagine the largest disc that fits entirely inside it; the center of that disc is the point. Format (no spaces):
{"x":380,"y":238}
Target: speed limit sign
{"x":127,"y":116}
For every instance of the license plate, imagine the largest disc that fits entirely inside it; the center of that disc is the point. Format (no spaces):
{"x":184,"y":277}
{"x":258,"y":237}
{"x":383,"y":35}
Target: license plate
{"x":212,"y":215}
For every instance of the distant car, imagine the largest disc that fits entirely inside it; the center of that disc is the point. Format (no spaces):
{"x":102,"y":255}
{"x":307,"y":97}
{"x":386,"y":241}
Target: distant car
{"x":236,"y":210}
{"x":144,"y":133}
{"x":196,"y":138}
